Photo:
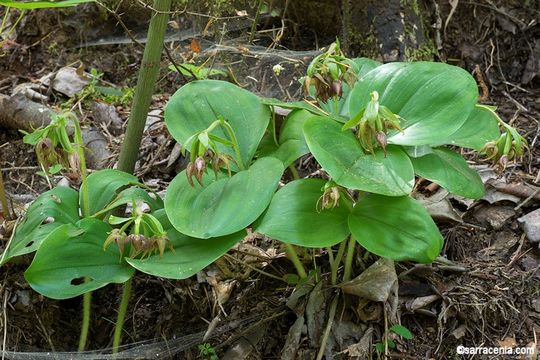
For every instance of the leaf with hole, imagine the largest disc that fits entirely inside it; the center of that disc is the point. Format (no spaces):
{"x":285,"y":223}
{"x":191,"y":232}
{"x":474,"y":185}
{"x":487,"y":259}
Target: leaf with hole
{"x":50,"y":210}
{"x":224,"y":205}
{"x":450,"y":170}
{"x":293,"y":217}
{"x":199,"y":103}
{"x":434,"y":99}
{"x":71,"y":261}
{"x":397,"y":228}
{"x":341,"y":155}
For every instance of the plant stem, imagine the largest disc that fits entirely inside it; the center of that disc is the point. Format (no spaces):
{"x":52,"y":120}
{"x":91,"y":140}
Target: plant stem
{"x":255,"y":22}
{"x":293,"y":256}
{"x":87,"y":301}
{"x":234,"y":141}
{"x":328,"y":328}
{"x":335,"y":264}
{"x":87,"y":297}
{"x":126,"y":293}
{"x":145,"y":86}
{"x":3,"y":199}
{"x":349,"y":259}
{"x":84,"y":172}
{"x":294,"y":172}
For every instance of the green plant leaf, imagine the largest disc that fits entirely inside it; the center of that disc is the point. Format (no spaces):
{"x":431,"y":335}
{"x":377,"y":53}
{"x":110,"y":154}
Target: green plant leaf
{"x":293,"y":217}
{"x":451,"y":171}
{"x":134,"y":195}
{"x":30,"y":5}
{"x":292,"y":144}
{"x":190,"y":255}
{"x":73,"y":253}
{"x":401,"y":331}
{"x":103,"y":186}
{"x":480,"y":127}
{"x":224,"y":205}
{"x":295,"y":105}
{"x":434,"y":99}
{"x":398,"y":228}
{"x":50,"y":210}
{"x":341,"y":155}
{"x":199,"y":103}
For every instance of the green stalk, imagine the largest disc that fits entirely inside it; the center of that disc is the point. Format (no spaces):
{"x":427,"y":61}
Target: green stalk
{"x":334,"y":265}
{"x":87,"y":301}
{"x":126,"y":293}
{"x":145,"y":86}
{"x":234,"y":141}
{"x":293,"y":256}
{"x":349,"y":259}
{"x":87,"y":297}
{"x":3,"y":199}
{"x":141,"y":103}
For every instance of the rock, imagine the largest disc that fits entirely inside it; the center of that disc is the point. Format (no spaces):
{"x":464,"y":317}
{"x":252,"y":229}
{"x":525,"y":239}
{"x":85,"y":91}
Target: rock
{"x":67,"y":81}
{"x":531,"y":225}
{"x":106,"y":114}
{"x":495,"y":216}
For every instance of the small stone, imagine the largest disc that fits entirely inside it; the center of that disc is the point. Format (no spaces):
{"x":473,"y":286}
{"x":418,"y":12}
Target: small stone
{"x":531,"y":225}
{"x":536,"y":304}
{"x":495,"y":216}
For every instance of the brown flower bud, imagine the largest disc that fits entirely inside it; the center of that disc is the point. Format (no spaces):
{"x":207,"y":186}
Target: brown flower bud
{"x":337,"y":88}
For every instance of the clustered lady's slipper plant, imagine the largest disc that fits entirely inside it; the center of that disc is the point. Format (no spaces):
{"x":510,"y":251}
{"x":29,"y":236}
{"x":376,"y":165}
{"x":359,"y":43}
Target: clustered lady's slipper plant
{"x":371,"y":127}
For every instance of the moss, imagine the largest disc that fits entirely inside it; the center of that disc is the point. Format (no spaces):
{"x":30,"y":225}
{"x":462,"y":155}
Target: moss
{"x":423,"y":53}
{"x":411,"y":4}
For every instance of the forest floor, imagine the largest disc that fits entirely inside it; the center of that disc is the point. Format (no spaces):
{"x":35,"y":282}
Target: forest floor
{"x":488,"y":295}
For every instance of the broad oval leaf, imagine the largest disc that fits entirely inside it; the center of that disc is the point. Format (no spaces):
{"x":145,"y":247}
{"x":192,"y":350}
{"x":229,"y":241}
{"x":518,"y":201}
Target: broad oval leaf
{"x":398,"y":228}
{"x":50,"y":210}
{"x":434,"y":99}
{"x":480,"y":128}
{"x":224,"y":205}
{"x":73,"y":253}
{"x":293,"y":217}
{"x":190,"y":255}
{"x":292,"y":144}
{"x":103,"y":186}
{"x":199,"y":103}
{"x":451,"y":171}
{"x":341,"y":155}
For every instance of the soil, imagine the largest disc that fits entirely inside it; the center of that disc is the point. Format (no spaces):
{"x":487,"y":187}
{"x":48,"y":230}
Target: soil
{"x":488,"y":296}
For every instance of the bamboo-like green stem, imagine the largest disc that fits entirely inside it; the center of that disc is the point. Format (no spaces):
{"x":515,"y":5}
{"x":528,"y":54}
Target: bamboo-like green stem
{"x":293,"y":256}
{"x":3,"y":198}
{"x":145,"y":86}
{"x":141,"y":103}
{"x":126,"y":293}
{"x":349,"y":259}
{"x":87,"y":301}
